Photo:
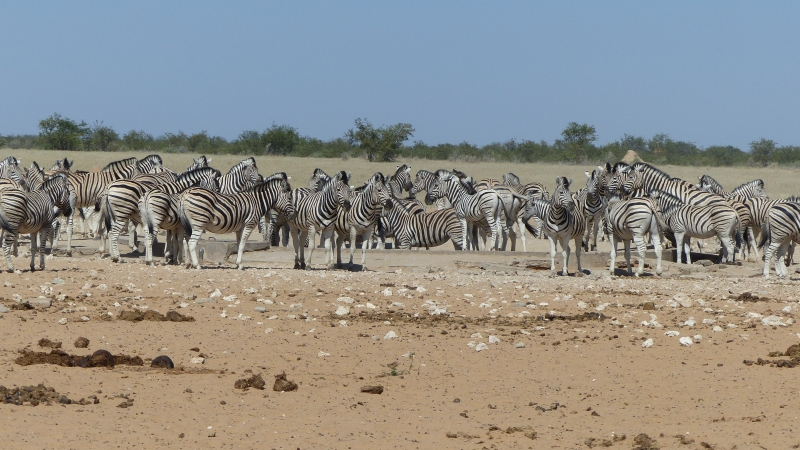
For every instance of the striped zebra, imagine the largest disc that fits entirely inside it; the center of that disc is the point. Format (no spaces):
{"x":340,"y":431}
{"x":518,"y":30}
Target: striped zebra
{"x":158,"y":210}
{"x":750,"y":189}
{"x":561,"y":221}
{"x":33,"y":213}
{"x":529,"y":190}
{"x":422,"y":182}
{"x":471,"y":208}
{"x":318,"y":211}
{"x":275,"y":228}
{"x":414,"y":227}
{"x":590,"y":200}
{"x":699,"y":221}
{"x":647,"y":178}
{"x":781,"y":228}
{"x":513,"y":209}
{"x":398,"y":183}
{"x":201,"y":210}
{"x":631,"y":220}
{"x":85,"y":188}
{"x":365,"y":209}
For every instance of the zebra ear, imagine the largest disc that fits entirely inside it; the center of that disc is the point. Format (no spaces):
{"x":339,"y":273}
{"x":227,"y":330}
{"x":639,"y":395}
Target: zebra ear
{"x":559,"y":181}
{"x":569,"y":183}
{"x":587,"y":174}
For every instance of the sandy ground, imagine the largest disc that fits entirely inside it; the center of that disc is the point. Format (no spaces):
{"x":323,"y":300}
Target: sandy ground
{"x":582,"y":379}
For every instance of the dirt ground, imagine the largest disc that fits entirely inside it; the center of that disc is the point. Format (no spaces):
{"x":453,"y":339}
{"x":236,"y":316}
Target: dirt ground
{"x":562,"y":362}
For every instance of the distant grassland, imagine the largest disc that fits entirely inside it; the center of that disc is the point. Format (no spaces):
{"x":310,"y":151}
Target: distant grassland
{"x":779,"y":182}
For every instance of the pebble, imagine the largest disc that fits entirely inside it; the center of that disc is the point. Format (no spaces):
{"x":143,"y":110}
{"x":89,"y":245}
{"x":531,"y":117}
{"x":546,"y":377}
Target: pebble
{"x":648,"y":343}
{"x":268,"y":330}
{"x":672,"y":333}
{"x":481,"y":346}
{"x":57,"y":281}
{"x":519,"y":345}
{"x":690,"y":322}
{"x":322,"y":354}
{"x":347,"y":300}
{"x":342,"y":310}
{"x":717,"y":328}
{"x":387,"y":292}
{"x":216,"y":293}
{"x":773,"y":321}
{"x":3,"y":309}
{"x":39,"y":302}
{"x":84,"y":318}
{"x":494,"y":340}
{"x":682,"y":300}
{"x":342,"y":323}
{"x":686,"y":341}
{"x":63,"y":321}
{"x":197,"y":360}
{"x":205,"y":300}
{"x":390,"y":335}
{"x":260,"y":309}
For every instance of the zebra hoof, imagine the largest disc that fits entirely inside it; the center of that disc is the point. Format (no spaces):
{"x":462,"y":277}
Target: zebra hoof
{"x":296,"y":266}
{"x":33,"y":269}
{"x":240,"y":266}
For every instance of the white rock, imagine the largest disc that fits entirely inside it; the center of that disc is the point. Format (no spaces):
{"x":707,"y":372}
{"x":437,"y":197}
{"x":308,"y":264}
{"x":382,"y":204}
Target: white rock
{"x":398,"y":305}
{"x":472,"y":343}
{"x":197,"y":360}
{"x":773,"y":321}
{"x":268,"y":330}
{"x":342,"y":323}
{"x":347,"y":300}
{"x":342,"y":310}
{"x":322,"y":354}
{"x":63,"y":321}
{"x":519,"y":345}
{"x":216,"y":294}
{"x":732,"y":325}
{"x":87,"y":285}
{"x":494,"y":340}
{"x":390,"y":335}
{"x":387,"y":292}
{"x":672,"y":333}
{"x":476,"y":336}
{"x":648,"y":343}
{"x":697,"y":337}
{"x":690,"y":322}
{"x":754,"y":315}
{"x":272,"y":317}
{"x":481,"y":346}
{"x":230,"y":298}
{"x":682,"y":299}
{"x":525,"y":332}
{"x":686,"y":341}
{"x":787,"y":309}
{"x":421,"y":289}
{"x":582,"y":305}
{"x":371,"y":306}
{"x":708,"y":321}
{"x":717,"y":328}
{"x":84,"y":318}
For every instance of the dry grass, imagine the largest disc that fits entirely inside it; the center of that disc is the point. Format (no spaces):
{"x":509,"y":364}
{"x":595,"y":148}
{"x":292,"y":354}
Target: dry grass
{"x":780,"y":182}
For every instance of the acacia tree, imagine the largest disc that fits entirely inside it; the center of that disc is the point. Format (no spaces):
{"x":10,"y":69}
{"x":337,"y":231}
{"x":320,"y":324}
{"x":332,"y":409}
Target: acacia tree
{"x":762,"y":151}
{"x":577,"y":139}
{"x":380,"y":143}
{"x":60,"y":133}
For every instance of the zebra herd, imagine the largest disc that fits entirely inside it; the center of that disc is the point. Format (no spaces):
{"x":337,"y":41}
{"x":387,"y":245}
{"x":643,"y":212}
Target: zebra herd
{"x":630,"y":203}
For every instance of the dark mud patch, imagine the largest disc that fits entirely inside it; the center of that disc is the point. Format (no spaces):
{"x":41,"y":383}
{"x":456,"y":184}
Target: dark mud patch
{"x":162,"y":362}
{"x":100,"y":358}
{"x":154,"y":316}
{"x":576,"y":318}
{"x":645,"y":442}
{"x":81,"y":342}
{"x":255,"y":381}
{"x":47,"y":343}
{"x":38,"y":395}
{"x":750,"y":297}
{"x":282,"y":384}
{"x":793,"y":353}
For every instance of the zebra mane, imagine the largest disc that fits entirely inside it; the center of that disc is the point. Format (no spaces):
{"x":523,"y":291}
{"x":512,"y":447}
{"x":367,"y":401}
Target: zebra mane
{"x":758,"y":183}
{"x":243,"y":164}
{"x":652,"y":169}
{"x":441,"y":173}
{"x":401,"y":169}
{"x":714,"y":185}
{"x":155,"y":159}
{"x":202,"y":171}
{"x":55,"y":181}
{"x":276,"y":176}
{"x":619,"y":167}
{"x":793,"y":199}
{"x":343,"y":176}
{"x":667,"y":201}
{"x":268,"y":184}
{"x":459,"y":173}
{"x":10,"y":161}
{"x":119,"y":165}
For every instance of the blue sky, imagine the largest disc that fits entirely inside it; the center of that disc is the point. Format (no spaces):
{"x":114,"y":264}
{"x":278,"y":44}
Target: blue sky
{"x":713,"y":73}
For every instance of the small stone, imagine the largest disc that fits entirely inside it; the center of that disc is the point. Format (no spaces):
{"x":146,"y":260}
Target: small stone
{"x":372,"y":389}
{"x":342,"y":323}
{"x":648,"y":306}
{"x":197,"y":360}
{"x":216,"y":294}
{"x":690,"y":322}
{"x":205,"y":300}
{"x":519,"y":345}
{"x":57,"y":281}
{"x":163,"y":362}
{"x":387,"y":292}
{"x":494,"y":340}
{"x":81,"y":342}
{"x":773,"y":321}
{"x":38,"y":302}
{"x":682,"y":300}
{"x":347,"y":300}
{"x":686,"y":341}
{"x":342,"y":310}
{"x":62,"y":321}
{"x":84,"y":318}
{"x":3,"y":309}
{"x":717,"y":328}
{"x":260,"y":309}
{"x":481,"y":346}
{"x":648,"y":343}
{"x":672,"y":334}
{"x":390,"y":335}
{"x":283,"y":385}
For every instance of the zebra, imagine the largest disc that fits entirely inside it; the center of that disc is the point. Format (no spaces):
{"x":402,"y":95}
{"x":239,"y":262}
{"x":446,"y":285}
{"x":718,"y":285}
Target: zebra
{"x":398,"y":183}
{"x":360,"y":219}
{"x":422,"y":182}
{"x":158,"y":209}
{"x":272,"y":226}
{"x":120,"y":206}
{"x":781,"y":228}
{"x":32,"y":212}
{"x":647,"y":178}
{"x":470,"y":207}
{"x":414,"y":227}
{"x":747,"y":190}
{"x":631,"y":220}
{"x":529,"y":190}
{"x":590,"y":200}
{"x":513,"y":208}
{"x":85,"y":188}
{"x":318,"y":211}
{"x":561,"y":220}
{"x":201,"y":210}
{"x":699,"y":221}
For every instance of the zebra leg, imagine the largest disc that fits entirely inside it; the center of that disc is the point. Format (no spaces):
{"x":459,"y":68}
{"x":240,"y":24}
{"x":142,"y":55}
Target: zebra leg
{"x":678,"y":248}
{"x":195,"y":236}
{"x":467,"y":229}
{"x":296,"y":244}
{"x":34,"y":249}
{"x":70,"y":224}
{"x":627,"y":245}
{"x":364,"y":244}
{"x":565,"y":255}
{"x":578,"y":251}
{"x":613,"y":266}
{"x":131,"y":226}
{"x":8,"y":240}
{"x":521,"y":228}
{"x":339,"y":244}
{"x":367,"y":238}
{"x":243,"y":236}
{"x":312,"y":235}
{"x":751,"y":235}
{"x":113,"y":237}
{"x":769,"y":252}
{"x":512,"y":236}
{"x":688,"y":250}
{"x":552,"y":254}
{"x":595,"y":228}
{"x":327,"y":238}
{"x":641,"y":248}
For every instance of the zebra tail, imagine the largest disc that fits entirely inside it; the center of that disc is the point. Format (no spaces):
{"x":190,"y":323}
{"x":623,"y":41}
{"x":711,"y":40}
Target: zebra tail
{"x":738,"y":233}
{"x":4,"y":224}
{"x":146,"y":222}
{"x":106,"y":212}
{"x":765,"y":233}
{"x":533,"y":231}
{"x":187,"y":225}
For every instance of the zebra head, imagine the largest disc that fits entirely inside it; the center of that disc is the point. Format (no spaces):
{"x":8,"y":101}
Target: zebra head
{"x":199,"y":163}
{"x":34,"y":177}
{"x":383,"y":191}
{"x":562,"y":197}
{"x":511,"y":180}
{"x":592,"y":183}
{"x":341,"y":182}
{"x":56,"y":187}
{"x":750,"y":189}
{"x":422,"y":182}
{"x":708,"y":184}
{"x":401,"y":180}
{"x":284,"y":202}
{"x":436,"y":190}
{"x":150,"y":164}
{"x":63,"y":164}
{"x":318,"y":179}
